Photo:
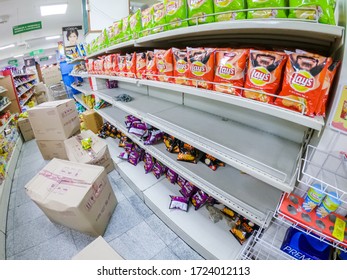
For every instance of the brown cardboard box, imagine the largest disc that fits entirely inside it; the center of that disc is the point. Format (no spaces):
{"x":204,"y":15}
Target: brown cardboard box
{"x":99,"y":249}
{"x":41,"y":97}
{"x":54,"y":120}
{"x":93,"y":120}
{"x":25,"y":128}
{"x":98,"y":154}
{"x":75,"y":195}
{"x":52,"y":149}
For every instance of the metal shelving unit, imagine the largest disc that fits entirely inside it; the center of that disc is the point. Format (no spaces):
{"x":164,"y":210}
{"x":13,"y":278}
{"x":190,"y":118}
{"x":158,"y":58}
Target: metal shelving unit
{"x":29,"y":88}
{"x":27,"y":99}
{"x":83,"y":88}
{"x":81,"y":75}
{"x":111,"y":49}
{"x":5,"y":106}
{"x":116,"y":78}
{"x":6,"y":124}
{"x":26,"y":82}
{"x":76,"y":60}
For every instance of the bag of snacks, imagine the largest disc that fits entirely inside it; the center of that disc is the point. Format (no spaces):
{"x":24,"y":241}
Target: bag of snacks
{"x":164,"y":64}
{"x":126,"y":32}
{"x":172,"y":144}
{"x":159,"y":169}
{"x":147,"y":21}
{"x":221,"y":6}
{"x":188,"y":153}
{"x":179,"y":202}
{"x":271,"y":13}
{"x":109,"y":64}
{"x":188,"y":189}
{"x":243,"y":229}
{"x":199,"y":199}
{"x":212,"y":162}
{"x":122,"y":65}
{"x":171,"y":176}
{"x":141,"y":65}
{"x":181,"y":181}
{"x":200,"y":9}
{"x":131,"y":65}
{"x":135,"y":24}
{"x":176,"y":13}
{"x":151,"y":66}
{"x":159,"y":17}
{"x":180,"y":64}
{"x":115,"y":32}
{"x":149,"y":163}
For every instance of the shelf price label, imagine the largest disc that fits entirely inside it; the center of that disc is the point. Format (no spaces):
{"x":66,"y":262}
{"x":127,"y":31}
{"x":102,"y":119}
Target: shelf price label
{"x":339,"y":229}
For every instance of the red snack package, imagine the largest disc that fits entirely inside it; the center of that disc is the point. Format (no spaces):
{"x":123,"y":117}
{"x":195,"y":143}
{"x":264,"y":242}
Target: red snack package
{"x":151,"y":66}
{"x":109,"y":64}
{"x":122,"y":69}
{"x":163,"y":60}
{"x":264,"y":74}
{"x":131,"y":65}
{"x":99,"y":66}
{"x":329,"y":78}
{"x":141,"y":65}
{"x":180,"y":62}
{"x":201,"y":66}
{"x":303,"y":82}
{"x":115,"y":69}
{"x":90,"y":66}
{"x":230,"y":69}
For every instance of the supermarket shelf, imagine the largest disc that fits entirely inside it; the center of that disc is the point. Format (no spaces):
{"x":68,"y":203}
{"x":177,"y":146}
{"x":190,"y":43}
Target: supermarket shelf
{"x":26,"y":82}
{"x":116,"y":78}
{"x":21,"y":75}
{"x":6,"y":124}
{"x":27,"y":99}
{"x":84,"y":89}
{"x":112,"y":144}
{"x":3,"y":90}
{"x":316,"y":123}
{"x":76,"y":60}
{"x":29,"y":88}
{"x":83,"y":75}
{"x":113,"y":48}
{"x":78,"y":98}
{"x":5,"y":106}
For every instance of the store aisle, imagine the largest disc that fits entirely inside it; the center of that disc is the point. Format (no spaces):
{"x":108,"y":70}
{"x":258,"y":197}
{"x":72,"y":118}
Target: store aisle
{"x":134,"y":231}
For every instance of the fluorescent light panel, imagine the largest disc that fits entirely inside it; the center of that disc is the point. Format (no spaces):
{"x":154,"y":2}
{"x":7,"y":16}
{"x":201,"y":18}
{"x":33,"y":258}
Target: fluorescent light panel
{"x":53,"y":37}
{"x":19,"y":55}
{"x":53,"y":10}
{"x":7,"y":47}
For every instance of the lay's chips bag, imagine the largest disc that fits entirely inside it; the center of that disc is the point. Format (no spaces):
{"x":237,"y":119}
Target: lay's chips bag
{"x":130,"y":65}
{"x":108,"y":64}
{"x":176,"y":11}
{"x":151,"y":66}
{"x":271,"y":13}
{"x":324,"y":10}
{"x":159,"y":18}
{"x":201,"y":66}
{"x":221,"y":6}
{"x":115,"y":32}
{"x":180,"y":62}
{"x":264,"y":74}
{"x":126,"y":29}
{"x":122,"y":65}
{"x":303,"y":81}
{"x":135,"y":24}
{"x":141,"y":65}
{"x":147,"y":21}
{"x":230,"y":69}
{"x":200,"y":8}
{"x":163,"y":60}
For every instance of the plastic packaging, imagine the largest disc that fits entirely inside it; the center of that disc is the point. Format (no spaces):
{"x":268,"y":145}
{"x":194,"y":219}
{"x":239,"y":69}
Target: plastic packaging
{"x":199,"y":199}
{"x":151,"y":66}
{"x":141,"y":65}
{"x":147,"y":21}
{"x":135,"y":24}
{"x":180,"y":63}
{"x":164,"y":64}
{"x":329,"y":204}
{"x":271,"y":13}
{"x":179,"y":202}
{"x":221,"y":6}
{"x":159,"y":18}
{"x":200,"y":9}
{"x":176,"y":12}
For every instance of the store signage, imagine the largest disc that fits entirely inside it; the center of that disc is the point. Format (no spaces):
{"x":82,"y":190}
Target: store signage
{"x":26,"y":27}
{"x":13,"y":62}
{"x":44,"y":58}
{"x":29,"y":62}
{"x":36,"y":52}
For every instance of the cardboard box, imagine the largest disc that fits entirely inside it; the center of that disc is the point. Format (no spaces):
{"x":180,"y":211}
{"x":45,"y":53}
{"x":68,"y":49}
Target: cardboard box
{"x":41,"y":97}
{"x":52,"y":149}
{"x":54,"y":120}
{"x":92,"y":120}
{"x":99,"y":249}
{"x":98,"y":154}
{"x":25,"y":128}
{"x":75,"y":195}
{"x":40,"y":87}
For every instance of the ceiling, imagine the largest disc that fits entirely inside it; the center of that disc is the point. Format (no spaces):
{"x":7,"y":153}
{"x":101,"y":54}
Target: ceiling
{"x":26,"y":11}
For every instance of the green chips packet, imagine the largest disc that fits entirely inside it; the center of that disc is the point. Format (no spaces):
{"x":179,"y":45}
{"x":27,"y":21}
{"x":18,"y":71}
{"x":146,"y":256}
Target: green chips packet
{"x":176,"y":12}
{"x":200,"y":9}
{"x":159,"y":18}
{"x":147,"y":21}
{"x":221,"y":6}
{"x":324,"y":10}
{"x":126,"y":33}
{"x":115,"y":32}
{"x":271,"y":13}
{"x":135,"y":24}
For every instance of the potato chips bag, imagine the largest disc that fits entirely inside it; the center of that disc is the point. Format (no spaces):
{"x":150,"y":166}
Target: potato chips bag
{"x":131,"y":65}
{"x":108,"y":64}
{"x":159,"y":18}
{"x":271,"y":13}
{"x":115,"y":32}
{"x":230,"y":69}
{"x":264,"y":74}
{"x":163,"y":60}
{"x":221,"y":6}
{"x":180,"y":62}
{"x":176,"y":11}
{"x":122,"y":65}
{"x":303,"y":80}
{"x":135,"y":24}
{"x":141,"y":65}
{"x":151,"y":66}
{"x":201,"y":66}
{"x":147,"y":21}
{"x":126,"y":29}
{"x":200,"y":9}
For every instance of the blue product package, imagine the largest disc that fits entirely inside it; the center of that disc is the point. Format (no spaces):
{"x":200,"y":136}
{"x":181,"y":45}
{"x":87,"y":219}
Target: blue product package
{"x":301,"y":246}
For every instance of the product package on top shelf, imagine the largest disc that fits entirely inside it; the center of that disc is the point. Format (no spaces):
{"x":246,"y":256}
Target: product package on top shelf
{"x":221,"y":6}
{"x":135,"y":24}
{"x":164,"y":64}
{"x":147,"y":21}
{"x":180,"y":62}
{"x":199,"y":9}
{"x":115,"y":32}
{"x":159,"y":17}
{"x":176,"y":12}
{"x":270,"y":13}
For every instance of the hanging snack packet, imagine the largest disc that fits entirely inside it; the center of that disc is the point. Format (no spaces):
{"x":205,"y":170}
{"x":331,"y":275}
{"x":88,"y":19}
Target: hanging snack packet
{"x":230,"y":69}
{"x":271,"y":13}
{"x":179,"y":202}
{"x":159,"y":18}
{"x":158,"y":169}
{"x":199,"y":9}
{"x":188,"y":153}
{"x":303,"y":81}
{"x":243,"y":229}
{"x":147,"y":21}
{"x":141,"y":65}
{"x":188,"y":189}
{"x":181,"y":181}
{"x":264,"y":74}
{"x":221,"y":6}
{"x":151,"y":66}
{"x":171,"y":176}
{"x":131,"y":65}
{"x":201,"y":66}
{"x":164,"y":64}
{"x":176,"y":13}
{"x":180,"y":64}
{"x":135,"y":24}
{"x":199,"y":199}
{"x":115,"y":32}
{"x":323,"y":9}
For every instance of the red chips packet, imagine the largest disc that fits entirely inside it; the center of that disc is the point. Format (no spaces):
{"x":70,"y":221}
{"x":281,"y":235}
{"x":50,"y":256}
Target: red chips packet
{"x":141,"y":65}
{"x":151,"y":66}
{"x":164,"y":63}
{"x":180,"y":63}
{"x":131,"y":65}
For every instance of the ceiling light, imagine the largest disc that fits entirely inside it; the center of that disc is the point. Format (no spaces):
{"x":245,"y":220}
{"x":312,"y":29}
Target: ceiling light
{"x":53,"y":37}
{"x":20,"y":55}
{"x":53,"y":10}
{"x":50,"y":57}
{"x":7,"y":47}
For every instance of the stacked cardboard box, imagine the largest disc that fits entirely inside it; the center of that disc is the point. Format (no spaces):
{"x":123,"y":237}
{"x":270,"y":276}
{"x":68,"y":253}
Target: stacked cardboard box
{"x":52,"y":123}
{"x":93,"y":121}
{"x":41,"y":93}
{"x":26,"y":129}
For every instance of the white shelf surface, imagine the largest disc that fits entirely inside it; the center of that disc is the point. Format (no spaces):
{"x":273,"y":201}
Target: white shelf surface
{"x":78,"y":98}
{"x":212,"y":241}
{"x":81,"y":75}
{"x":6,"y":124}
{"x":29,"y":88}
{"x":5,"y":106}
{"x":116,"y":78}
{"x":76,"y":60}
{"x":316,"y":123}
{"x":26,"y":82}
{"x":83,"y":88}
{"x":112,"y":144}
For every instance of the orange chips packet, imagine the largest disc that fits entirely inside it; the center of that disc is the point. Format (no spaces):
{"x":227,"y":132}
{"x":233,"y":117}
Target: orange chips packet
{"x":303,"y":82}
{"x":108,"y":65}
{"x":230,"y":69}
{"x":131,"y":65}
{"x":115,"y":64}
{"x":201,"y":66}
{"x":264,"y":74}
{"x":164,"y":63}
{"x":141,"y":65}
{"x":151,"y":66}
{"x":180,"y":64}
{"x":122,"y":68}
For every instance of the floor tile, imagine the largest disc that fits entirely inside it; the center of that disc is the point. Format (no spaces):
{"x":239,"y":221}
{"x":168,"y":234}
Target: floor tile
{"x":12,"y":201}
{"x":123,"y":219}
{"x":21,"y":197}
{"x":162,"y":230}
{"x":165,"y":254}
{"x":81,"y":239}
{"x":10,"y":220}
{"x":9,"y":243}
{"x":139,"y":243}
{"x":24,"y":179}
{"x":183,"y":251}
{"x":14,"y":184}
{"x":25,"y":213}
{"x":124,"y":188}
{"x":114,"y":175}
{"x":120,"y":196}
{"x":140,"y":206}
{"x":34,"y":167}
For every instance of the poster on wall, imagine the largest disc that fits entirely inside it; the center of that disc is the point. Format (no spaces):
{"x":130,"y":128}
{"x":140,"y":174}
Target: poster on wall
{"x":72,"y":35}
{"x":339,"y":121}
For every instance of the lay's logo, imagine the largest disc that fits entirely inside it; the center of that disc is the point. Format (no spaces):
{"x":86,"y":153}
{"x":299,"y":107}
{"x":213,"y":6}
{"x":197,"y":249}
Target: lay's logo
{"x":181,"y":66}
{"x":171,"y":7}
{"x":302,"y":81}
{"x":226,"y":71}
{"x":198,"y":68}
{"x":161,"y":66}
{"x":196,"y":3}
{"x":222,"y":3}
{"x":260,"y":76}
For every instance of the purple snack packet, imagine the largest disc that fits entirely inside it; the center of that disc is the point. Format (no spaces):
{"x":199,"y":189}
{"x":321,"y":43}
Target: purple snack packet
{"x":171,"y":176}
{"x":199,"y":199}
{"x":154,"y":137}
{"x":123,"y":155}
{"x":158,"y":169}
{"x":179,"y":202}
{"x":134,"y":158}
{"x":141,"y":125}
{"x":181,"y":181}
{"x":137,"y":131}
{"x":188,"y":189}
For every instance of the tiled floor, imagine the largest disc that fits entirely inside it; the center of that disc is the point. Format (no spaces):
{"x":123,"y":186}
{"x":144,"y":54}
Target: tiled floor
{"x":134,"y":231}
